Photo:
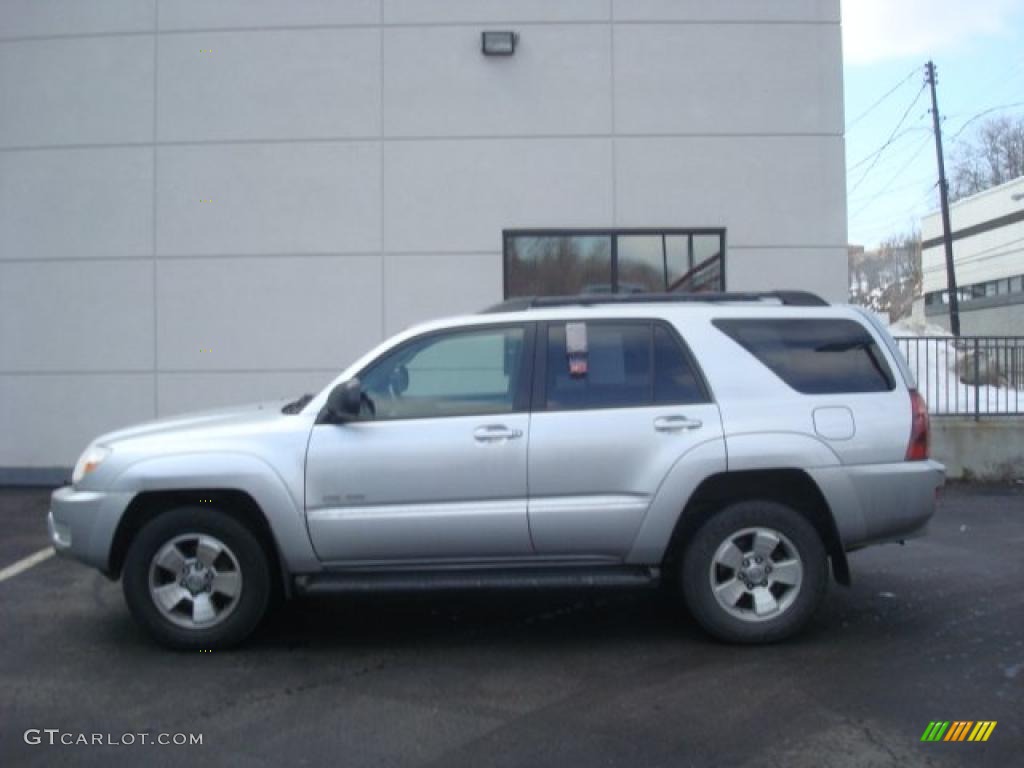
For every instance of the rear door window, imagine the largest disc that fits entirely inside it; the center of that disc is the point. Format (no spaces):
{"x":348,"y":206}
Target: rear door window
{"x":814,"y":356}
{"x":633,"y":364}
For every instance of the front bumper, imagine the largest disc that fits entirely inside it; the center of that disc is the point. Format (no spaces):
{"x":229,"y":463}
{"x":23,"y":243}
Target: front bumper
{"x":82,"y":523}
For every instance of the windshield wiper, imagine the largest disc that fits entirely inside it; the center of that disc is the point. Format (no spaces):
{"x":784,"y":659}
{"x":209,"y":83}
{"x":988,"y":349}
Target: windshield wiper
{"x":297,"y":405}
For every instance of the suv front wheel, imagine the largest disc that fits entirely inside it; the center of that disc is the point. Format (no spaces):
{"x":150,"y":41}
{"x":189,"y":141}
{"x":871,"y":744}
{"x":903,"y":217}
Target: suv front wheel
{"x":196,"y":578}
{"x":754,"y":572}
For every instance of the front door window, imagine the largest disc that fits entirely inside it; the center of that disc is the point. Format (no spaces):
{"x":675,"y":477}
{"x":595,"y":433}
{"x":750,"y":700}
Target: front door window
{"x":457,"y":373}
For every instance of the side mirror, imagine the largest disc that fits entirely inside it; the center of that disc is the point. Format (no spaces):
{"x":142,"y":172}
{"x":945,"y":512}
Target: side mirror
{"x":345,"y":400}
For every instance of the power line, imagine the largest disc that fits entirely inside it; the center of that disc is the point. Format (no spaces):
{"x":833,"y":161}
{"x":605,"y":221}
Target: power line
{"x":895,"y":225}
{"x":891,"y":139}
{"x":912,"y":215}
{"x":881,"y":99}
{"x":895,"y":176}
{"x":981,"y":114}
{"x":894,"y":190}
{"x":872,"y":155}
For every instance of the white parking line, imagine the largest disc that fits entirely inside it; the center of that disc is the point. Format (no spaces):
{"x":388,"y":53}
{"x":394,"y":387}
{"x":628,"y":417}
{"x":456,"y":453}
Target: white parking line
{"x":25,"y":563}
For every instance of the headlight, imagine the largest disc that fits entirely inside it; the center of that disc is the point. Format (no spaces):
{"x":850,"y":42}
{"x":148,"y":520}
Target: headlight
{"x":92,"y":458}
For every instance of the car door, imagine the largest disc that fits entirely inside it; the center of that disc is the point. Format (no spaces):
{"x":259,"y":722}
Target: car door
{"x":608,"y":425}
{"x":439,"y":471}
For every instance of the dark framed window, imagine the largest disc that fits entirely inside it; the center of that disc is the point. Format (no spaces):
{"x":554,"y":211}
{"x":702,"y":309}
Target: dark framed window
{"x":565,"y":262}
{"x":815,"y":356}
{"x":629,"y":364}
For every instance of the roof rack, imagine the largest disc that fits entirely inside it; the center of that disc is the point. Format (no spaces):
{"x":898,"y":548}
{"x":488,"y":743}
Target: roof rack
{"x":787,"y":298}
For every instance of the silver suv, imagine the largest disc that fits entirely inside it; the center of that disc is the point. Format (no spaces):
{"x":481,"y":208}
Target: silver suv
{"x":734,"y":445}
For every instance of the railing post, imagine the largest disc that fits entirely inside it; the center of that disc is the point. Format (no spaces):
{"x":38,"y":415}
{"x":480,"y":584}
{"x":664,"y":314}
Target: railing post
{"x":977,"y":382}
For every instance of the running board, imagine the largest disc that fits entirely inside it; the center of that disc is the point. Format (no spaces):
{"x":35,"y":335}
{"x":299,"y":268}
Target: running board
{"x":506,"y":578}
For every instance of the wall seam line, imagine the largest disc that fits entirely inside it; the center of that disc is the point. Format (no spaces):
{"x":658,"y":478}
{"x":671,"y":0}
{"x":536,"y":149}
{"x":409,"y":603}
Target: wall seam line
{"x":153,"y":227}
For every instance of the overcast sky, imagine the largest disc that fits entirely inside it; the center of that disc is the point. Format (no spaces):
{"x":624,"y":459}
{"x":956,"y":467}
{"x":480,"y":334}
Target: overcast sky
{"x":978,"y":47}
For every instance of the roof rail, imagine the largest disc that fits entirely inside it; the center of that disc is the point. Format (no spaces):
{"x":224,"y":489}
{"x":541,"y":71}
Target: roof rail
{"x":786,"y":298}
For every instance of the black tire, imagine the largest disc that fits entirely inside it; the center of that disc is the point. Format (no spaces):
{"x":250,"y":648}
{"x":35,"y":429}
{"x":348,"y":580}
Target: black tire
{"x":696,"y":573}
{"x":256,"y":578}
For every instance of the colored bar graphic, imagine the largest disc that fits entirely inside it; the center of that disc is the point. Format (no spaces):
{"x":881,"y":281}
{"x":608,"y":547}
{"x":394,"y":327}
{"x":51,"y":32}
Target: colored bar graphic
{"x":958,"y":730}
{"x":935,"y":730}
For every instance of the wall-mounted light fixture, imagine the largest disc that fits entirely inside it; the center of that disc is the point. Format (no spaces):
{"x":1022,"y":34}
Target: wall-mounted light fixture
{"x":498,"y":42}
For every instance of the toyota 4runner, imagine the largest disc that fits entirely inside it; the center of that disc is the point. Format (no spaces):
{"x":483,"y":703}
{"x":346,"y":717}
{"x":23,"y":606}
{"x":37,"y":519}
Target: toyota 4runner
{"x":734,"y":445}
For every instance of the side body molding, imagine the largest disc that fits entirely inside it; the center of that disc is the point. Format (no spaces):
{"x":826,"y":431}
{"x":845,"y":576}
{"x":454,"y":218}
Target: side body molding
{"x":690,"y":469}
{"x":280,"y":501}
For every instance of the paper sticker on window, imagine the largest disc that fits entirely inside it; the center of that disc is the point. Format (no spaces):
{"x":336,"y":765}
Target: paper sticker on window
{"x":576,"y":348}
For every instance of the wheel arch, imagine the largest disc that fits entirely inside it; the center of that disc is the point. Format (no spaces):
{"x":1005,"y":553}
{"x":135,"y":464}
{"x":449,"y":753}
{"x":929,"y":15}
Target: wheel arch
{"x":789,"y":486}
{"x":238,"y":504}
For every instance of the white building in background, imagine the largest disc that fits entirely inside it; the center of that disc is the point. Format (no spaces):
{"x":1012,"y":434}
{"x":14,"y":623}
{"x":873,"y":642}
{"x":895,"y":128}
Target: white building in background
{"x":205,"y":203}
{"x":988,"y":257}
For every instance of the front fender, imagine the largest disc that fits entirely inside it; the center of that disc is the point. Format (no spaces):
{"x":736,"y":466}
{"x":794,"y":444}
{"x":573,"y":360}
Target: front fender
{"x":282,"y":504}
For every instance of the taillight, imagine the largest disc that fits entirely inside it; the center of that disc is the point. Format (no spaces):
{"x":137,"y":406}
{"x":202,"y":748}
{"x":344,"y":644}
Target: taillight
{"x":917,"y":450}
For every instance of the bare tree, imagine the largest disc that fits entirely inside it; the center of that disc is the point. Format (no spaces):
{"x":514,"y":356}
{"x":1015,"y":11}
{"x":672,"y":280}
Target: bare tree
{"x":888,"y":279}
{"x":993,"y":155}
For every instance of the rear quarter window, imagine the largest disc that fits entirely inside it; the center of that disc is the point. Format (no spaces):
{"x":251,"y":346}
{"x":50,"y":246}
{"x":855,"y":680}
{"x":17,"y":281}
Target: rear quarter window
{"x":814,"y":356}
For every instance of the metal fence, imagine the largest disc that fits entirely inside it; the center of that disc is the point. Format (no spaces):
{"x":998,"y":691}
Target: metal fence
{"x":970,"y":375}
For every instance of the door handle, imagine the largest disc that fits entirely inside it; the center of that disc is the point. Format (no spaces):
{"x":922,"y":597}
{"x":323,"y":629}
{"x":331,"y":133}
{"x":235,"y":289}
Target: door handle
{"x":492,"y":433}
{"x":676,"y":423}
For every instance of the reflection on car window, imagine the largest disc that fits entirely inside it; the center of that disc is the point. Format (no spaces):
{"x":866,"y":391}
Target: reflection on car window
{"x":815,"y":357}
{"x":453,"y":374}
{"x":620,"y":370}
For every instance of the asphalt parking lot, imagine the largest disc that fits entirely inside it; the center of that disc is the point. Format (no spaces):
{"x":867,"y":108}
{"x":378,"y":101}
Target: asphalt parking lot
{"x":930,"y":631}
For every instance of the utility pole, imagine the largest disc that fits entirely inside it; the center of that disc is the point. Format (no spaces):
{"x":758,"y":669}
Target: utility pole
{"x":947,"y":233}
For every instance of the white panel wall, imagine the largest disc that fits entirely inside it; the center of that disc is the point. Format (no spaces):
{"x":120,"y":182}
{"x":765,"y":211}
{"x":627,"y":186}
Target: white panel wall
{"x":493,"y":11}
{"x":260,"y":314}
{"x":757,"y":79}
{"x":203,"y":14}
{"x":21,"y":18}
{"x":765,"y":269}
{"x":727,"y":10}
{"x":284,"y":183}
{"x":558,"y":82}
{"x":990,"y":255}
{"x":276,"y":198}
{"x":82,"y":91}
{"x":434,"y":285}
{"x":76,"y":316}
{"x":767,"y":190}
{"x":76,"y":203}
{"x":48,"y":419}
{"x":285,"y":84}
{"x":458,"y":195}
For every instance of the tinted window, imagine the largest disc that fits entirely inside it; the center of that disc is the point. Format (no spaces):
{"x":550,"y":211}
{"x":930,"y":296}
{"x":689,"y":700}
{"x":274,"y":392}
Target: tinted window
{"x":674,"y":378}
{"x":453,"y":374}
{"x":624,"y":261}
{"x":543,"y":265}
{"x":620,"y":369}
{"x":815,"y":357}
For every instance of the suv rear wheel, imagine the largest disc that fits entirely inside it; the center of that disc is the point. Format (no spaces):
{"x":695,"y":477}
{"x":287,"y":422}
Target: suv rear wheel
{"x":754,"y":572}
{"x":196,"y":578}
